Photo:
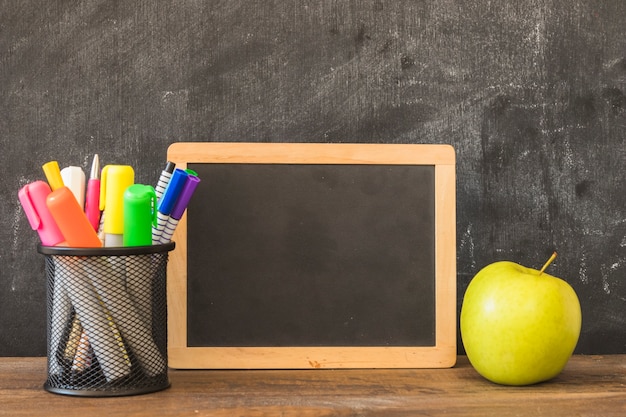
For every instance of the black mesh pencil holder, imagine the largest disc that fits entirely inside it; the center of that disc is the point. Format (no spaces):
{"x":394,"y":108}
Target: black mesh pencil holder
{"x":107,"y":320}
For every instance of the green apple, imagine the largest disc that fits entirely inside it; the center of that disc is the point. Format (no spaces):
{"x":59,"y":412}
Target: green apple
{"x":519,"y":325}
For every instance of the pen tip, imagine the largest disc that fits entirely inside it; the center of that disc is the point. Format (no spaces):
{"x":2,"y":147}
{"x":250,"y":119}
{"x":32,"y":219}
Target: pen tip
{"x":95,"y":168}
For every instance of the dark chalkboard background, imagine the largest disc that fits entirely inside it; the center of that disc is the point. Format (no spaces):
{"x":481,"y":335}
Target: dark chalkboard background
{"x":532,"y":95}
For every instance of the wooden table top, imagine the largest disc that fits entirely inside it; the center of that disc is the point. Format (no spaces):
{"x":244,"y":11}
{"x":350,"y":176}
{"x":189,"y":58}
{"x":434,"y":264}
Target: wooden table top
{"x":589,"y":386}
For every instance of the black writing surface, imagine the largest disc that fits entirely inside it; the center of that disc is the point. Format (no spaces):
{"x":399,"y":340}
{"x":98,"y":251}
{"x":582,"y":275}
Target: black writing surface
{"x":311,"y":255}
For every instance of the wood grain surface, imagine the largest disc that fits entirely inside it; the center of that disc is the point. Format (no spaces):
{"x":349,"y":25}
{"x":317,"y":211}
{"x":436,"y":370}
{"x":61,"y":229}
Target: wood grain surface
{"x":589,"y":386}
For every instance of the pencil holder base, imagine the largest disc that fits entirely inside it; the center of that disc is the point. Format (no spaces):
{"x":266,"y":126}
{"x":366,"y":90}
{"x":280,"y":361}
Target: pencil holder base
{"x":104,"y":391}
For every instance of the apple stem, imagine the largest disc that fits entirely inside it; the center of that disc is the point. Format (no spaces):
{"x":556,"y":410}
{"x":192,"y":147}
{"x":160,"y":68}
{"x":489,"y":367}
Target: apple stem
{"x":548,"y":263}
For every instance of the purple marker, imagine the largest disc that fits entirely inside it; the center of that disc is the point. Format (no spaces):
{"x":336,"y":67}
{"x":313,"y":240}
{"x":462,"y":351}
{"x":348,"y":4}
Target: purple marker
{"x":179,"y":208}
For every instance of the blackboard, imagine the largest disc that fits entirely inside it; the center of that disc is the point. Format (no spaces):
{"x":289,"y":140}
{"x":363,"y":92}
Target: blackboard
{"x":531,"y":95}
{"x":315,"y":246}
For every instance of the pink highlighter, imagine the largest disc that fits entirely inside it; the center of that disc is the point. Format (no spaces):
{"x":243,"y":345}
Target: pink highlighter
{"x":33,"y":198}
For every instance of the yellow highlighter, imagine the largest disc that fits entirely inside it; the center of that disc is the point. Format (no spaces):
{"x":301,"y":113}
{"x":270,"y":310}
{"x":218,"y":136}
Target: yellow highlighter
{"x":53,"y":175}
{"x":115,"y":179}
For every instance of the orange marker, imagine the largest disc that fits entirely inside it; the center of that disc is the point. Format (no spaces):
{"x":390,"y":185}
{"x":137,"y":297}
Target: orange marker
{"x":71,"y":219}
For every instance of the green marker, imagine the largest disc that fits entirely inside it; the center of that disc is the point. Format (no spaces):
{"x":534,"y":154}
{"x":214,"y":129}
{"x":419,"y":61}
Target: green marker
{"x":140,"y":214}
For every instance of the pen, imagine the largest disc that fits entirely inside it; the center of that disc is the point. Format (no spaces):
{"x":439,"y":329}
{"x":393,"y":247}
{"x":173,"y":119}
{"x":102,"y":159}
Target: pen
{"x":179,"y":208}
{"x":92,"y":204}
{"x":115,"y":180}
{"x":71,"y":220}
{"x":74,"y":179}
{"x":164,"y":179}
{"x":166,"y":203}
{"x":53,"y":174}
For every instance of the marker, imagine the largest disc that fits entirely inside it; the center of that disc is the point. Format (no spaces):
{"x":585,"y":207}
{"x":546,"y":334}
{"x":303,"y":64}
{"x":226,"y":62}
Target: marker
{"x":92,"y":202}
{"x":140,"y":216}
{"x":53,"y":174}
{"x":115,"y":180}
{"x":166,"y":203}
{"x":33,"y":198}
{"x":123,"y":312}
{"x":77,"y":232}
{"x":71,"y":220}
{"x":104,"y":336}
{"x":164,"y":179}
{"x":74,"y":179}
{"x":179,"y":208}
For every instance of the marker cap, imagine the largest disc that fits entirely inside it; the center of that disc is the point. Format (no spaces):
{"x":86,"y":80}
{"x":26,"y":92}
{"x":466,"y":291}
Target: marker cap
{"x":53,"y":174}
{"x":172,"y":191}
{"x":74,"y":179}
{"x":71,"y":219}
{"x":185,"y":195}
{"x":114,"y":181}
{"x":169,"y":167}
{"x":139,"y":215}
{"x":164,"y":179}
{"x":33,"y":199}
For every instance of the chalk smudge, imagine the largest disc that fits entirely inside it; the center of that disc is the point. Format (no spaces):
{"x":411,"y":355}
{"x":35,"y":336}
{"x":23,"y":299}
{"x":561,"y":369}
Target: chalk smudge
{"x":583,"y":269}
{"x":17,"y":216}
{"x":468,"y":242}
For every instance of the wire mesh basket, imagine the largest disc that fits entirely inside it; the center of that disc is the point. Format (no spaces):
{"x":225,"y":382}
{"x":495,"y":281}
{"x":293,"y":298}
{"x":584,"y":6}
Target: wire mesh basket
{"x":106,"y":320}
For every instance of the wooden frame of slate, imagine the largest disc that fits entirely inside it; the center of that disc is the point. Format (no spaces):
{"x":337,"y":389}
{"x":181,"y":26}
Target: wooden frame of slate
{"x":308,"y":255}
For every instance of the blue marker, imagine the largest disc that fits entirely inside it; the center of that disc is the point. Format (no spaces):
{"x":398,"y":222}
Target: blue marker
{"x":167,"y":201}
